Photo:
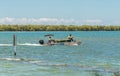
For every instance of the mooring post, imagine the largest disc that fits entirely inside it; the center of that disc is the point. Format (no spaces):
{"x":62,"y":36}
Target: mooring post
{"x":14,"y":44}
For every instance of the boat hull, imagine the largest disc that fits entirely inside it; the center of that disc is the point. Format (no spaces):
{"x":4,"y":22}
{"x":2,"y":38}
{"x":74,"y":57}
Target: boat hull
{"x":74,"y":43}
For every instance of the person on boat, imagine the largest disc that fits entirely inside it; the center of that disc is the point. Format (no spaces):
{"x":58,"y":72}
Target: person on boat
{"x":70,"y":37}
{"x":50,"y":41}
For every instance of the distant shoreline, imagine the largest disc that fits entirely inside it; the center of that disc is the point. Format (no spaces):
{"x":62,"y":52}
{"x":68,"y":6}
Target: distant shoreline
{"x":59,"y":28}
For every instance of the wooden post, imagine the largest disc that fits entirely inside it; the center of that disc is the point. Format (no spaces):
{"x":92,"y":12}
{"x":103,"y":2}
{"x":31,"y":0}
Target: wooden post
{"x":14,"y":44}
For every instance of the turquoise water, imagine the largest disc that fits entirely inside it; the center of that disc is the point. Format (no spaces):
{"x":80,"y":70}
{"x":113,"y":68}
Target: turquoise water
{"x":98,"y":55}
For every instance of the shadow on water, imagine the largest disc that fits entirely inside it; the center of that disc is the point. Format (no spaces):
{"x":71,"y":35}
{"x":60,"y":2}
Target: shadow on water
{"x":116,"y":74}
{"x":97,"y":74}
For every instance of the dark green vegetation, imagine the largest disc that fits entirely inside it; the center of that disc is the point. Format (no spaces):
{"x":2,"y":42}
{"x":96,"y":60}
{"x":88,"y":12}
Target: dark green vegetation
{"x":58,"y":28}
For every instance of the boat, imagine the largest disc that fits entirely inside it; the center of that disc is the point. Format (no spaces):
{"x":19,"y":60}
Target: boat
{"x":59,"y":42}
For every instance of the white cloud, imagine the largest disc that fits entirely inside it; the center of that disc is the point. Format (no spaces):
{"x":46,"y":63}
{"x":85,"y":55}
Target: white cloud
{"x":49,"y":21}
{"x":94,"y":21}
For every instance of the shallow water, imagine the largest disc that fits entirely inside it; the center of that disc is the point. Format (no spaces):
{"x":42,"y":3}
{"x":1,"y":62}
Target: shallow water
{"x":98,"y":55}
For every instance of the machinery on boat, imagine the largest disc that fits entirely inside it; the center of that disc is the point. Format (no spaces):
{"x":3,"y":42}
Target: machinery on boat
{"x":59,"y":41}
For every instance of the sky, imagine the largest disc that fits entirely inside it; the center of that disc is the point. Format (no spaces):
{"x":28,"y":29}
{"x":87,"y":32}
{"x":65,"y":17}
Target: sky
{"x":57,"y":12}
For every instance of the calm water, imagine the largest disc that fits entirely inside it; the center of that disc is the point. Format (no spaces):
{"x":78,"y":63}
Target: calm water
{"x":98,"y":55}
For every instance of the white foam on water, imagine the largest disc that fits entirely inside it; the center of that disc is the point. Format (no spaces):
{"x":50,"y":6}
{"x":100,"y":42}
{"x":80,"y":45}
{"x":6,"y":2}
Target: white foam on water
{"x":35,"y":61}
{"x":24,"y":44}
{"x":21,"y":59}
{"x":10,"y":59}
{"x":30,"y":44}
{"x":6,"y":44}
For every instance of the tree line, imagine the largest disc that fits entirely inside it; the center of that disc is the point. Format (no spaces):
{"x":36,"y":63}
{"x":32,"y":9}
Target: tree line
{"x":58,"y":28}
